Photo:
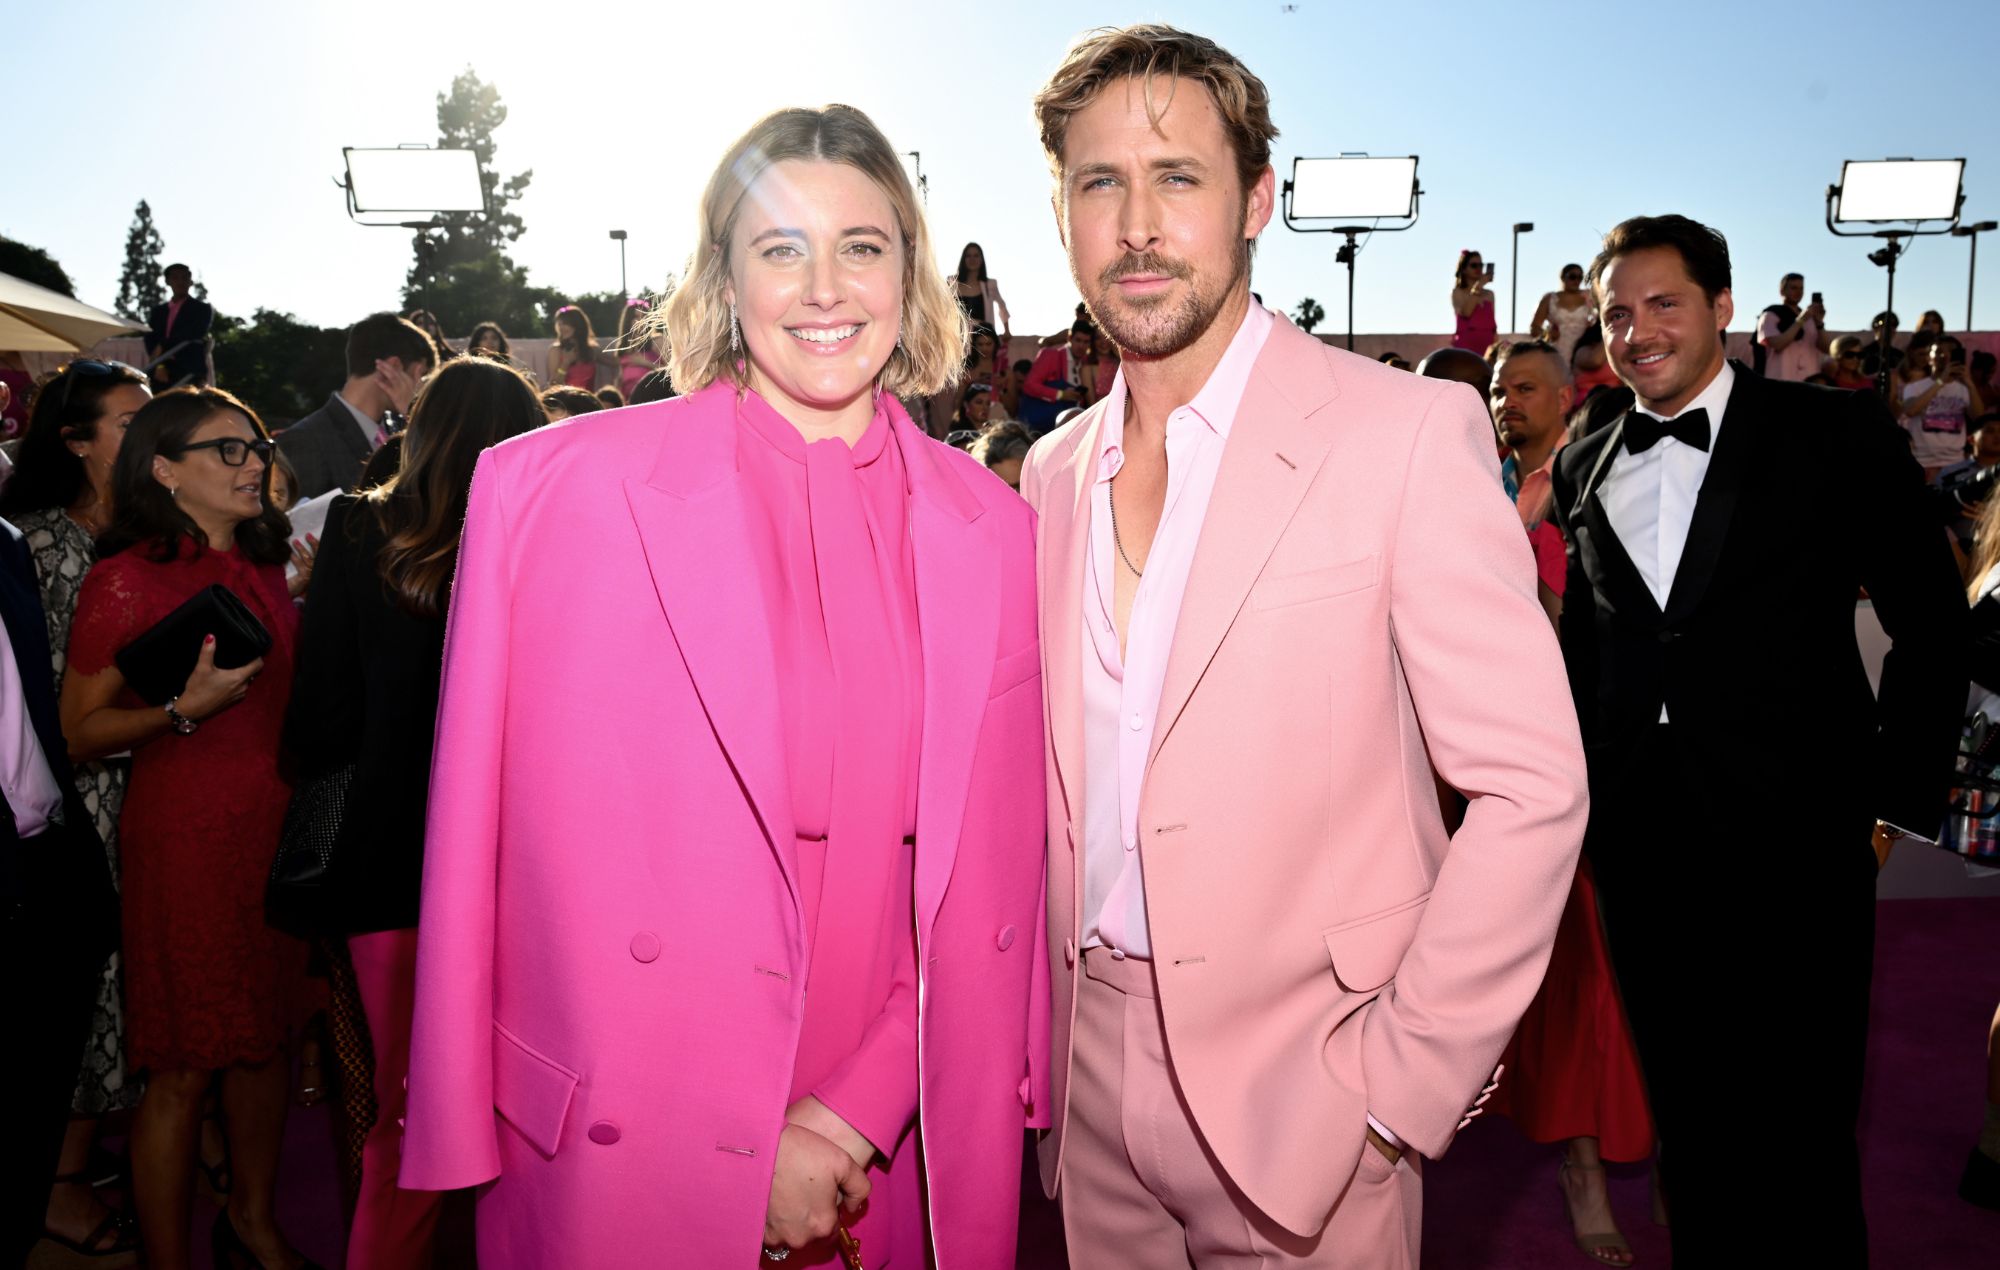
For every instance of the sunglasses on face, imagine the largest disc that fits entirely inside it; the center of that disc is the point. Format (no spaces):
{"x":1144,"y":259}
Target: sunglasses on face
{"x":234,"y":451}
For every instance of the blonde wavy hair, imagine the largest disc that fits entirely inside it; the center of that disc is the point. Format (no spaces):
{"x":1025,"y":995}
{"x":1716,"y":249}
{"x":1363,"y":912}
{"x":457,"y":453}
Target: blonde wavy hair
{"x":931,"y":353}
{"x":1157,"y":54}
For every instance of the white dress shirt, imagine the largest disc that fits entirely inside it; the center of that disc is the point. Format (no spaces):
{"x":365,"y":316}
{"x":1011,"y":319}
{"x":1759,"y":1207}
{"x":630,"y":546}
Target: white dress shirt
{"x":371,"y":429}
{"x":1649,"y":498}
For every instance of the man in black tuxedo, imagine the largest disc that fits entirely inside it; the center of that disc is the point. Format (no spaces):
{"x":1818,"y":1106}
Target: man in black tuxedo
{"x":58,"y":913}
{"x":179,"y":329}
{"x":1718,"y":533}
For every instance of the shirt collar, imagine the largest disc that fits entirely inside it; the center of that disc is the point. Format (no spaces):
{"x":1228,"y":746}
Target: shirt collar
{"x":1216,"y":403}
{"x":1714,"y":399}
{"x":372,"y":425}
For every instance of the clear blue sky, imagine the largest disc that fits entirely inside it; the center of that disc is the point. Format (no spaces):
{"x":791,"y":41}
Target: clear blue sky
{"x":230,"y":118}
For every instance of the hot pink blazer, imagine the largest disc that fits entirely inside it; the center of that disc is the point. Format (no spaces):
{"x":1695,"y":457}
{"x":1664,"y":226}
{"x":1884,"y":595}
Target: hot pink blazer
{"x":1361,"y":609}
{"x":610,"y":961}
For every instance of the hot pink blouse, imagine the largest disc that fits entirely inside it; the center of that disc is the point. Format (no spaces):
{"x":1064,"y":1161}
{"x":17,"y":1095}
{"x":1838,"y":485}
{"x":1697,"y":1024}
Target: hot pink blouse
{"x":842,"y":598}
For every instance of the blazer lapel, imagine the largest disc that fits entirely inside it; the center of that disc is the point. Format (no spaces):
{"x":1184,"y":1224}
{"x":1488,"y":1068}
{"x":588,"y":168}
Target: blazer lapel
{"x":1062,"y":550}
{"x":690,"y":516}
{"x":1721,"y":487}
{"x":958,"y":624}
{"x":1272,"y":455}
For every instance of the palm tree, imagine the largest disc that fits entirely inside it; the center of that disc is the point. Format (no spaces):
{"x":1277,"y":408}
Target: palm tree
{"x":1308,"y":314}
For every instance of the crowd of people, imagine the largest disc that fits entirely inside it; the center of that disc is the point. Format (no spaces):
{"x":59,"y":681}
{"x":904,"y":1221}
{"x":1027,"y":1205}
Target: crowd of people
{"x":776,"y":687}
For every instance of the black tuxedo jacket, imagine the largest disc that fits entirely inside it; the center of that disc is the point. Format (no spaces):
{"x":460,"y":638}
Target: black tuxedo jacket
{"x":80,"y":882}
{"x":191,"y":326}
{"x":1811,"y":496}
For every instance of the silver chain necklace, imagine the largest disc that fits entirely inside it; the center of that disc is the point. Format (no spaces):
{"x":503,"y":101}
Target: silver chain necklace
{"x":1111,"y":494}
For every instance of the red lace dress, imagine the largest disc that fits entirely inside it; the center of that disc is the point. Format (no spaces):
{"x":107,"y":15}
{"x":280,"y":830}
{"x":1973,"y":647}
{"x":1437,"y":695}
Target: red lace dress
{"x":207,"y":983}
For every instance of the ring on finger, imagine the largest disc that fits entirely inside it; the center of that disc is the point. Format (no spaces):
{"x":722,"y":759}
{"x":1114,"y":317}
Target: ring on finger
{"x":778,"y":1253}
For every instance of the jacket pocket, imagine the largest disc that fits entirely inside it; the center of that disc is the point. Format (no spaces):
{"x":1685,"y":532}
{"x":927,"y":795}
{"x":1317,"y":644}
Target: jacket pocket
{"x":531,"y":1091}
{"x":1315,"y":584}
{"x":1367,"y":951}
{"x":1015,"y":669}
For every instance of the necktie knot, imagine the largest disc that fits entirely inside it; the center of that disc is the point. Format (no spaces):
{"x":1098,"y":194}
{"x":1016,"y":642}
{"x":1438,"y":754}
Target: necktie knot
{"x":1643,"y":431}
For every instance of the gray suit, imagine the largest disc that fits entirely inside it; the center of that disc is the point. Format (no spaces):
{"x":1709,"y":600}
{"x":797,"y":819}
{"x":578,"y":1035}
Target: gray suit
{"x":326,"y":449}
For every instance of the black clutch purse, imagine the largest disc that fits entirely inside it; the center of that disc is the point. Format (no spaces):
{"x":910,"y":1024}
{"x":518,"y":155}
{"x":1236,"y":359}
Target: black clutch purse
{"x":157,"y":664}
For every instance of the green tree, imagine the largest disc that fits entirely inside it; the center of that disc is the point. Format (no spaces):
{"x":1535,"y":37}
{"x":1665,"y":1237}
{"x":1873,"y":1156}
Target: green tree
{"x":32,"y":264}
{"x":282,"y":367}
{"x":139,"y":287}
{"x":1309,"y":314}
{"x":461,"y":270}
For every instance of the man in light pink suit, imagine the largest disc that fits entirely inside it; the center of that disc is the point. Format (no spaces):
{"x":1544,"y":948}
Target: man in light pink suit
{"x":1274,"y":578}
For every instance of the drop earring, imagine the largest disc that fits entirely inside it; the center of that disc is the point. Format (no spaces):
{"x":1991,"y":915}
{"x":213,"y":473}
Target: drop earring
{"x":735,"y":333}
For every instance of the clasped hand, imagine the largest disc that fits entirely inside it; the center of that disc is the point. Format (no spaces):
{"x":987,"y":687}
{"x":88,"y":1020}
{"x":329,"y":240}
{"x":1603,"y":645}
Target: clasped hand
{"x":816,"y":1178}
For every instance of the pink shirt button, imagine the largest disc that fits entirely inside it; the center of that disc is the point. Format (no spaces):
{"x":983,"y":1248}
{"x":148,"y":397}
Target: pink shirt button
{"x":645,"y":946}
{"x":604,"y":1133}
{"x":1006,"y":938}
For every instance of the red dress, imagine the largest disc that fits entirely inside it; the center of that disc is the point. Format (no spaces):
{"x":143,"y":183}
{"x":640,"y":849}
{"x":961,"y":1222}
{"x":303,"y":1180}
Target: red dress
{"x":1571,"y":1069}
{"x":207,"y":983}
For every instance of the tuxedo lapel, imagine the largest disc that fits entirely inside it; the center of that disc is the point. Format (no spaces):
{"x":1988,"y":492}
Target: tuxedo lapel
{"x":958,"y":623}
{"x":690,"y":516}
{"x":1604,"y":556}
{"x":1721,"y":488}
{"x":1063,"y":550}
{"x":1269,"y":462}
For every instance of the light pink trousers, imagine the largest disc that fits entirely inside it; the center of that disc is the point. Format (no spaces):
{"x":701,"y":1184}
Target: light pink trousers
{"x":393,"y":1228}
{"x":1140,"y":1188}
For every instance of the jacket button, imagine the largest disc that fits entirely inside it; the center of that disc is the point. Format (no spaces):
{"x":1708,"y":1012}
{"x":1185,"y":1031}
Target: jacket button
{"x":604,"y":1133}
{"x":1069,"y":952}
{"x":645,"y":947}
{"x":1668,"y":637}
{"x":1006,"y":939}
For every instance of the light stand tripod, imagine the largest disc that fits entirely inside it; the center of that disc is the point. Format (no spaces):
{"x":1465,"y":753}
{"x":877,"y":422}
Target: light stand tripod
{"x":1350,"y":249}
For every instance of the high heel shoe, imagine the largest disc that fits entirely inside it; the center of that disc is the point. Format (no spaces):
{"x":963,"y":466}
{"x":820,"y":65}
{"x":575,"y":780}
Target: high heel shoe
{"x":1606,"y":1248}
{"x":231,"y":1253}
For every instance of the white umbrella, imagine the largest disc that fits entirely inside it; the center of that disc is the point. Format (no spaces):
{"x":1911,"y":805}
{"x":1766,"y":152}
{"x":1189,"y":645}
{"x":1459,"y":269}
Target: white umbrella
{"x":37,"y":320}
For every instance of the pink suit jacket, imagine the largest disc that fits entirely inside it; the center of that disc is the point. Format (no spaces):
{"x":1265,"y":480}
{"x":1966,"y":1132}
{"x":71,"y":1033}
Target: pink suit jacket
{"x":1361,"y":608}
{"x":611,"y":957}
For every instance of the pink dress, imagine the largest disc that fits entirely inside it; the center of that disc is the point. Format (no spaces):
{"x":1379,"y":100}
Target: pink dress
{"x":842,"y":596}
{"x":1478,"y":332}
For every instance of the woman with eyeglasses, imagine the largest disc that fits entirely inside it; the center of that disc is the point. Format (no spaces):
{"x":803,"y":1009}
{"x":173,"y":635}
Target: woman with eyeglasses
{"x":1563,"y":316}
{"x":59,"y":497}
{"x":208,"y":986}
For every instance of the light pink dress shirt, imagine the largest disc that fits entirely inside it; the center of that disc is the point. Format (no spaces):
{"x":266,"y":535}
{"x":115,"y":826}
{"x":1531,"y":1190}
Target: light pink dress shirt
{"x":26,"y":781}
{"x":1122,"y":694}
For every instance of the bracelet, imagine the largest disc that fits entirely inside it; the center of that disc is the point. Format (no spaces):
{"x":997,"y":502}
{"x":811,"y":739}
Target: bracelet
{"x":180,"y":723}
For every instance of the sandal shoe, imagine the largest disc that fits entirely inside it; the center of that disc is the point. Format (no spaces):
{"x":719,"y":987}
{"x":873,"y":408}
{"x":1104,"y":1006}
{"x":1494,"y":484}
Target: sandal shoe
{"x":91,"y":1249}
{"x":231,"y":1253}
{"x":1595,"y":1244}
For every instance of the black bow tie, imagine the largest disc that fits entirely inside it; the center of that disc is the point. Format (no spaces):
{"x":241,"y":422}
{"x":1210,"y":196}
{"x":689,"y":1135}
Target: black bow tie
{"x":1643,"y":431}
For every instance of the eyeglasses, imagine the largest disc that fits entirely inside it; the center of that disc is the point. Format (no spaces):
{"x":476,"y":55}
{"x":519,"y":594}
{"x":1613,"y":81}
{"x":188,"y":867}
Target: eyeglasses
{"x":1847,"y":354}
{"x":234,"y":451}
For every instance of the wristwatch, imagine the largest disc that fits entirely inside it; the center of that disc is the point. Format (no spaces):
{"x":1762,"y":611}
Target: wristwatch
{"x":181,"y":724}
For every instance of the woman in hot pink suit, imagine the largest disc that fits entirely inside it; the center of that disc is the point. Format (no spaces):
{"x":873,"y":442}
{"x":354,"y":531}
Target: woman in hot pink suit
{"x":731,"y":920}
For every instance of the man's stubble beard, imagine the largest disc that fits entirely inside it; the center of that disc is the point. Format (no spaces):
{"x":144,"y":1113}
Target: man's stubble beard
{"x":1188,"y":321}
